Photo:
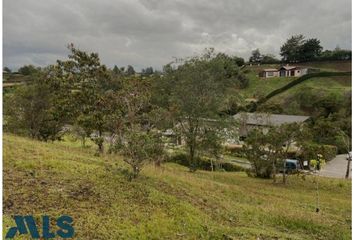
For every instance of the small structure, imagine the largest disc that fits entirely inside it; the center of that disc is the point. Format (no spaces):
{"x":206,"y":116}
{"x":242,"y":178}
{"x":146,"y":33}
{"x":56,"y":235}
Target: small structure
{"x":269,"y":72}
{"x":292,"y":71}
{"x":284,"y":71}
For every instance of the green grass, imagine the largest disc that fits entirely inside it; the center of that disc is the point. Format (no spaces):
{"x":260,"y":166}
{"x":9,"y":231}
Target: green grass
{"x":260,"y":87}
{"x":326,"y":86}
{"x":167,"y":202}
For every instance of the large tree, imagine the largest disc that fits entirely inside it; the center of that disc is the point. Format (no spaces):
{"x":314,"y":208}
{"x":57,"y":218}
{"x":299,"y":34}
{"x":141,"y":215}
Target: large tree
{"x":194,"y":93}
{"x":256,"y":56}
{"x":90,"y":83}
{"x":310,"y":50}
{"x":291,"y":49}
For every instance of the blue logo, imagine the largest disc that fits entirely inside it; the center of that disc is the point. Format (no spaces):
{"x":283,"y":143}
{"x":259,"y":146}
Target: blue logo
{"x":25,"y":224}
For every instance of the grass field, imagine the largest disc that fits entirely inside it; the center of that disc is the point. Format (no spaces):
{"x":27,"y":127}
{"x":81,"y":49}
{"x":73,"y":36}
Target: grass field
{"x":167,"y":202}
{"x":260,"y":87}
{"x":337,"y":87}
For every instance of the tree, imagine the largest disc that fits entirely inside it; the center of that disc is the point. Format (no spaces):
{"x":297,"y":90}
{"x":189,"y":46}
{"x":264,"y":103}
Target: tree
{"x":38,"y":109}
{"x":130,"y":70}
{"x":28,"y":70}
{"x":138,"y":141}
{"x":116,"y":70}
{"x":256,"y":56}
{"x":239,"y":61}
{"x":147,"y":71}
{"x":269,"y":59}
{"x":291,"y":49}
{"x":89,"y":83}
{"x":267,"y":150}
{"x":7,"y":70}
{"x":193,"y":94}
{"x":258,"y":154}
{"x":138,"y":148}
{"x":310,"y":50}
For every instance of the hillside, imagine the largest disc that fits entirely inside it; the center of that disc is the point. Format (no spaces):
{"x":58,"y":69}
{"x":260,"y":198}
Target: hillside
{"x":307,"y":93}
{"x":289,"y":101}
{"x":167,"y":202}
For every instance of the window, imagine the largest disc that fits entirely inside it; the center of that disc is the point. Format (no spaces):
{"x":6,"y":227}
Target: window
{"x":270,"y":74}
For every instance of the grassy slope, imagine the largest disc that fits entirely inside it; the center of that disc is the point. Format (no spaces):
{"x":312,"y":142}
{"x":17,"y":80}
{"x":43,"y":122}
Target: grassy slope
{"x":260,"y":87}
{"x":165,"y":203}
{"x":337,"y":86}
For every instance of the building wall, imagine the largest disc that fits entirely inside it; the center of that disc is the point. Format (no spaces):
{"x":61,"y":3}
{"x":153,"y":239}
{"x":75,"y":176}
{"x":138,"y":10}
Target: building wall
{"x":271,"y":74}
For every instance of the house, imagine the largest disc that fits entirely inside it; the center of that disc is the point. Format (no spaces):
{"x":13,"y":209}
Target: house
{"x":269,"y":72}
{"x":284,"y":71}
{"x":249,"y":121}
{"x":292,"y":71}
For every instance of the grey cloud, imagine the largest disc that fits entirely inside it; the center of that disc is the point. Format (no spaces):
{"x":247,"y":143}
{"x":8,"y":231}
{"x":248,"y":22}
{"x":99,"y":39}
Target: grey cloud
{"x":150,"y":32}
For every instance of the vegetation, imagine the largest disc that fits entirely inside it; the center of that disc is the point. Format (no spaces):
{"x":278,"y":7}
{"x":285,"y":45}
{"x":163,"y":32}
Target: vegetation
{"x":193,"y":94}
{"x":299,"y":49}
{"x":165,"y":203}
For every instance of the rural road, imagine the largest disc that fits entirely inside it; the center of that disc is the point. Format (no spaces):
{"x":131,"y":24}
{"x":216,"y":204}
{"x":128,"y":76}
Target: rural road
{"x":336,"y":168}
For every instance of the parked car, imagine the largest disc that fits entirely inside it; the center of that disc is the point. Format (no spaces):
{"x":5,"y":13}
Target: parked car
{"x":291,"y":166}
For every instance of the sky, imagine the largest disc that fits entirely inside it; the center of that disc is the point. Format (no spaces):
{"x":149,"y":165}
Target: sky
{"x":145,"y":33}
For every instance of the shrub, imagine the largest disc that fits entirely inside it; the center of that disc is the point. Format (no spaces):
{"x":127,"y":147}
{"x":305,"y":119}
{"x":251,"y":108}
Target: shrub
{"x":310,"y":151}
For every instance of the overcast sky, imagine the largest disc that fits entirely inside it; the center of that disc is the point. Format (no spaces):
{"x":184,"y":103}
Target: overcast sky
{"x":146,"y":33}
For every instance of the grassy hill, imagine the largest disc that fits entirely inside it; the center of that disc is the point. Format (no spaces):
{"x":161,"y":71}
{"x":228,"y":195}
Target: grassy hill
{"x":167,"y":202}
{"x":338,"y":86}
{"x":314,"y":88}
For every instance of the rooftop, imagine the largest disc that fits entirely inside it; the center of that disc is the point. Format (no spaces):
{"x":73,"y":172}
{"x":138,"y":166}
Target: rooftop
{"x":265,"y":119}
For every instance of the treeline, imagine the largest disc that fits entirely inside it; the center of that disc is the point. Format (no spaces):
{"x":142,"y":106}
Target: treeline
{"x":299,"y":49}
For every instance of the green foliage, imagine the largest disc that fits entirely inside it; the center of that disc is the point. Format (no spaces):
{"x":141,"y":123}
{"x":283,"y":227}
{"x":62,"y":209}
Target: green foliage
{"x":147,"y":71}
{"x":130,"y":70}
{"x":291,"y":49}
{"x":239,"y":61}
{"x":7,"y":70}
{"x":336,"y":54}
{"x":269,"y":59}
{"x":194,"y":93}
{"x":90,"y":86}
{"x":256,"y":56}
{"x":311,"y":150}
{"x":37,"y":109}
{"x":138,"y":148}
{"x":314,"y":163}
{"x":28,"y":70}
{"x":266,"y":150}
{"x":310,"y":50}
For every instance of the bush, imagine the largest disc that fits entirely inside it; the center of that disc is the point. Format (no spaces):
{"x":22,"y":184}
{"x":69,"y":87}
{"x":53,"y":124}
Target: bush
{"x":204,"y":163}
{"x":310,"y":151}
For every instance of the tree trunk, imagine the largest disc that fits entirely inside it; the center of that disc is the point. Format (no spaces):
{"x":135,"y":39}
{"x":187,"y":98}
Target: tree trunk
{"x":284,"y":172}
{"x":192,"y":166}
{"x":274,"y":172}
{"x":348,"y":166}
